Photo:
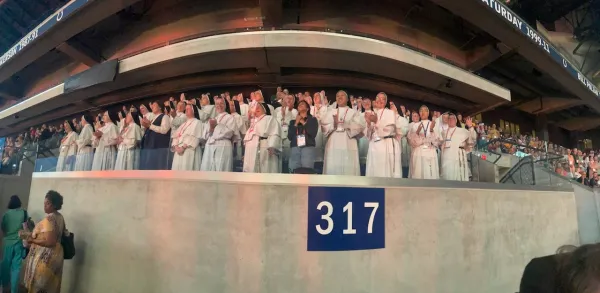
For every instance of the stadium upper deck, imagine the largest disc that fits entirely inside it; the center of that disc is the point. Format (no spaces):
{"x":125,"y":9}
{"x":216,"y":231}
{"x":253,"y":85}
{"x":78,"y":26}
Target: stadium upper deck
{"x":417,"y":50}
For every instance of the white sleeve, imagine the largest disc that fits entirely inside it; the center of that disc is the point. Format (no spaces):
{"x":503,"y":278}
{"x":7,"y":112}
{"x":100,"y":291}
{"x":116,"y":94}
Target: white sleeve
{"x":164,"y":127}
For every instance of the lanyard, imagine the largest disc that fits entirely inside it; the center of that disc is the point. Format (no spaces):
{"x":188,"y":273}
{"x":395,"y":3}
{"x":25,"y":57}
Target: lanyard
{"x":219,"y":121}
{"x":184,"y":127}
{"x":425,"y":129}
{"x":66,"y":137}
{"x":338,"y":114}
{"x":381,"y":115}
{"x":303,"y":129}
{"x":255,"y":122}
{"x":451,"y":135}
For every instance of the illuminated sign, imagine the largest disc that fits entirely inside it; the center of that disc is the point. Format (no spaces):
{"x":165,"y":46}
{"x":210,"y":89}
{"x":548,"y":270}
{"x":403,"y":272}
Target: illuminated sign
{"x":55,"y":18}
{"x":534,"y":36}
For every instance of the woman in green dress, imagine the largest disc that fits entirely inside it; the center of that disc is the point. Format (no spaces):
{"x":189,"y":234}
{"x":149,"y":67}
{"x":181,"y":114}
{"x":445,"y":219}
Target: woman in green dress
{"x":14,"y":252}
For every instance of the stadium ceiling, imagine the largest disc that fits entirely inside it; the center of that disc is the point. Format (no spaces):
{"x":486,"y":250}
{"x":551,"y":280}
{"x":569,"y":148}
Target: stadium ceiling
{"x":19,"y":17}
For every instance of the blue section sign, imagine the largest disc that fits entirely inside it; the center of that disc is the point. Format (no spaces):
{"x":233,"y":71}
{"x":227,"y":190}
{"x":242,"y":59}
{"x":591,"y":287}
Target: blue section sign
{"x":344,"y":218}
{"x":51,"y":21}
{"x":510,"y":17}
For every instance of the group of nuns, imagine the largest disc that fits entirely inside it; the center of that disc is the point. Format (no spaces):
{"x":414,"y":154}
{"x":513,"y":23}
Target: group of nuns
{"x":206,"y":134}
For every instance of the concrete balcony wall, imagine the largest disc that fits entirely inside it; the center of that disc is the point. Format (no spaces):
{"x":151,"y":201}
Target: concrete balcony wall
{"x":211,"y":232}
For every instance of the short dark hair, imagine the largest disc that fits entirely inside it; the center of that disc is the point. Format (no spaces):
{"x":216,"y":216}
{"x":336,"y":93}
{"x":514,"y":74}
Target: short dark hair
{"x":14,"y":202}
{"x":55,"y":199}
{"x":579,"y":269}
{"x":158,"y":104}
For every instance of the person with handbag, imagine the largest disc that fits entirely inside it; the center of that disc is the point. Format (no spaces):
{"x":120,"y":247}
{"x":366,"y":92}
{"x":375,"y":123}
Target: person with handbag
{"x":44,"y":263}
{"x":14,"y":252}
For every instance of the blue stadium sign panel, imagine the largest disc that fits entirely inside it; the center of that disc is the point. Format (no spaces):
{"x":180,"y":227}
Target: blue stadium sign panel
{"x":51,"y":21}
{"x":344,"y":218}
{"x":534,"y":36}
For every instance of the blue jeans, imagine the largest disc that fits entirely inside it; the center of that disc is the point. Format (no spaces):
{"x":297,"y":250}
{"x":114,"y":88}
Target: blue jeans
{"x":302,"y":157}
{"x":11,"y":266}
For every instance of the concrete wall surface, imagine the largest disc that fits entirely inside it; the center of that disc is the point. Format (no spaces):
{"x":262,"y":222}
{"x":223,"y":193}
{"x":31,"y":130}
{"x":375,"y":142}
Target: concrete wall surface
{"x":145,"y":231}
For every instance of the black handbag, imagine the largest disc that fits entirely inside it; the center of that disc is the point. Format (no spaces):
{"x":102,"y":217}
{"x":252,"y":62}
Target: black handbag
{"x":30,"y":226}
{"x":68,"y":244}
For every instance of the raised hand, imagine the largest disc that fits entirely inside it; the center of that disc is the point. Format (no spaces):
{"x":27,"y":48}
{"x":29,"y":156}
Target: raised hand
{"x":432,"y":125}
{"x":393,"y":108}
{"x":469,"y":122}
{"x":182,"y":97}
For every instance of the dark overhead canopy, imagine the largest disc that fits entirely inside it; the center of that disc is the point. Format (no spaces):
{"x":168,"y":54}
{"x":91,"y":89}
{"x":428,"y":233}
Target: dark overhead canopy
{"x":18,"y":17}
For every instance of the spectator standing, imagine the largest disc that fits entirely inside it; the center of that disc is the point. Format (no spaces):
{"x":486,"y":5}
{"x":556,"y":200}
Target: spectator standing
{"x":262,"y":142}
{"x":85,"y":152}
{"x":341,"y":126}
{"x":44,"y":263}
{"x":424,"y":141}
{"x":13,"y":251}
{"x":105,"y":141}
{"x":68,"y":149}
{"x":302,"y":134}
{"x":156,"y":140}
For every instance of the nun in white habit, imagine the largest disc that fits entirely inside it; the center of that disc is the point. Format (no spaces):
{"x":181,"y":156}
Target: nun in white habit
{"x":456,"y":143}
{"x":318,"y":110}
{"x":384,"y":130}
{"x":105,"y":141}
{"x":85,"y":152}
{"x":68,"y":149}
{"x":128,"y":155}
{"x":218,"y":152}
{"x":243,"y":112}
{"x":263,"y":142}
{"x":363,"y":141}
{"x":186,"y":142}
{"x":341,"y":127}
{"x":424,"y":142}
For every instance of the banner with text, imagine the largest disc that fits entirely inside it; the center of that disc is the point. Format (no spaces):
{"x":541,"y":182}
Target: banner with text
{"x":510,"y":17}
{"x":51,"y":21}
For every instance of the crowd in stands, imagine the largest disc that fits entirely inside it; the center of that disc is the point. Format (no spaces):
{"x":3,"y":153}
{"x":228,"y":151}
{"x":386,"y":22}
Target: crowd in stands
{"x":574,"y":164}
{"x":363,"y":122}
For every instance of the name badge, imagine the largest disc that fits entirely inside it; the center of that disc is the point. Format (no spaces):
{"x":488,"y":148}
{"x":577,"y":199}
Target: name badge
{"x":301,"y":140}
{"x":424,"y":146}
{"x":340,"y":127}
{"x":447,"y":143}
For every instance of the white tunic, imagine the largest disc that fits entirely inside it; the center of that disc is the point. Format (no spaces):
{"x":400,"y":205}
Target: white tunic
{"x":320,"y":138}
{"x":406,"y":148}
{"x":264,"y":133}
{"x":218,"y":152}
{"x":68,"y":150}
{"x":128,"y":155}
{"x":424,"y":161}
{"x":455,"y":145}
{"x":363,"y":141}
{"x":384,"y":154}
{"x":341,"y":150}
{"x":177,"y":121}
{"x":241,"y":120}
{"x":85,"y":152}
{"x":188,"y":135}
{"x":283,"y":120}
{"x":106,"y":152}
